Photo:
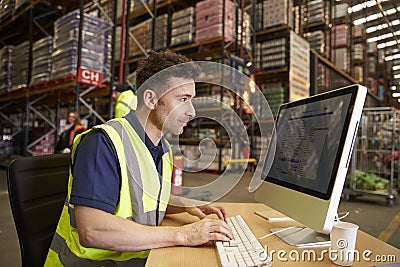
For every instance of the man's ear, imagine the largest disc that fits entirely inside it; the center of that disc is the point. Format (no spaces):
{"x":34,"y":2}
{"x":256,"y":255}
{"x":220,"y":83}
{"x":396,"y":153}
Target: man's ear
{"x":150,"y":99}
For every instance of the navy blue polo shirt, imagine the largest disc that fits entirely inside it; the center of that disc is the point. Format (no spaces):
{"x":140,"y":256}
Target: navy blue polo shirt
{"x":97,"y":180}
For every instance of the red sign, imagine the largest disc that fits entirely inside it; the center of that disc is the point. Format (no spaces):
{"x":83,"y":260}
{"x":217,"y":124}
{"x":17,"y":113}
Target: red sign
{"x":90,"y":77}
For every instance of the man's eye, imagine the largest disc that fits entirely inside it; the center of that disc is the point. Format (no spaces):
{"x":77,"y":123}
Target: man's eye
{"x":184,"y":99}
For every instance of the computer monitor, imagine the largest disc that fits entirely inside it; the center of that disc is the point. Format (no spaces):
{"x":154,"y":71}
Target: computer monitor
{"x":308,"y":158}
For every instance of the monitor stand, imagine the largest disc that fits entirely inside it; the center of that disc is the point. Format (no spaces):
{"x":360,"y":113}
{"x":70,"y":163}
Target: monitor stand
{"x":303,"y":237}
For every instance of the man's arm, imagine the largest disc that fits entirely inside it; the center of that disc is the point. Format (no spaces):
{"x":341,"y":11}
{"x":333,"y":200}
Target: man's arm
{"x":197,"y":208}
{"x":103,"y":230}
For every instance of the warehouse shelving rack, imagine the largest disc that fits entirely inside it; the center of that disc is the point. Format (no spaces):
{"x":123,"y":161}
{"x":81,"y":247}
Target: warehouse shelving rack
{"x":53,"y":95}
{"x":24,"y":102}
{"x":70,"y":93}
{"x":216,"y":48}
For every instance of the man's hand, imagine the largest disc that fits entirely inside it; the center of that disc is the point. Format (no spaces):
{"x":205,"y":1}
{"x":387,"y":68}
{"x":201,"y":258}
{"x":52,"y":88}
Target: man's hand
{"x":203,"y":231}
{"x":203,"y":211}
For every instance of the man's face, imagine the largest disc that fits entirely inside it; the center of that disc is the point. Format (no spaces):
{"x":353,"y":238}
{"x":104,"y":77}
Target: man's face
{"x":115,"y":95}
{"x":174,"y":109}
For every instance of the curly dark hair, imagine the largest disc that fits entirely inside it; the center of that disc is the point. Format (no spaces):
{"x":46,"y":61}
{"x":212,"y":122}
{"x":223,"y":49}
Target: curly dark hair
{"x":159,"y":61}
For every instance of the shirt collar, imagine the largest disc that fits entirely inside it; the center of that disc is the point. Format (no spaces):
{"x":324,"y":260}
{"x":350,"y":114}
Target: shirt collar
{"x":134,"y":121}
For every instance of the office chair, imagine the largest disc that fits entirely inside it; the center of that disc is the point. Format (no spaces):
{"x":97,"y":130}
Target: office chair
{"x":37,"y":188}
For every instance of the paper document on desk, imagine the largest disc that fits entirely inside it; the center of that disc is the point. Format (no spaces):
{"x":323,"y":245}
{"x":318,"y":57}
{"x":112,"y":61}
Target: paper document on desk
{"x":273,"y":216}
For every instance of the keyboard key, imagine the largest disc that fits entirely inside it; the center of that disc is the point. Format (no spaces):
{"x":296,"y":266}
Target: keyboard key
{"x":244,"y":250}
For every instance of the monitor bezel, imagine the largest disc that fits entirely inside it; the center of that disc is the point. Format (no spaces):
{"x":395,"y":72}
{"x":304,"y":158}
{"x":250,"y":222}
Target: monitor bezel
{"x":353,"y":91}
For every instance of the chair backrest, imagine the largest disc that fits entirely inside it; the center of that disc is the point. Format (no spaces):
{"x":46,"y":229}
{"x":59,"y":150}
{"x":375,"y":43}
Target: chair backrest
{"x":37,"y":189}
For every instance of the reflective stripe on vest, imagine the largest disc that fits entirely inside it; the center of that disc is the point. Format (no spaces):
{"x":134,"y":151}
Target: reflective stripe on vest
{"x":70,"y":259}
{"x":139,"y":184}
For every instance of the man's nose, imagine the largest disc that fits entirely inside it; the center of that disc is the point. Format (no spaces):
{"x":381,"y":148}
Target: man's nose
{"x":191,"y":111}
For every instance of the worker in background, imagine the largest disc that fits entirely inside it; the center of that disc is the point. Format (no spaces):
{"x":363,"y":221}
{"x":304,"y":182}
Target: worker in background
{"x":126,"y":100}
{"x":70,"y":131}
{"x":120,"y":179}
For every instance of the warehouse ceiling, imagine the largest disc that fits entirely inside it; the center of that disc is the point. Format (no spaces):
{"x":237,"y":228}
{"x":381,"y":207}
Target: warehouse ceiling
{"x":381,"y":19}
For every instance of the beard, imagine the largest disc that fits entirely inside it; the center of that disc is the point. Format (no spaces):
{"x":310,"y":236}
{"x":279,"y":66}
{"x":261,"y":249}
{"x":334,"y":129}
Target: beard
{"x":156,"y":119}
{"x":163,"y":122}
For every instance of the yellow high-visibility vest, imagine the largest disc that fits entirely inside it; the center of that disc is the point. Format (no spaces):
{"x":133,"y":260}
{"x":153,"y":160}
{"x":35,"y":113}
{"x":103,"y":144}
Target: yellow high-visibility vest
{"x":126,"y":102}
{"x":144,"y":197}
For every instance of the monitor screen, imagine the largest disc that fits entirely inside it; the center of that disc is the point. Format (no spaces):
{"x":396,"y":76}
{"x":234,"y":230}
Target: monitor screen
{"x":309,"y":139}
{"x":308,"y":156}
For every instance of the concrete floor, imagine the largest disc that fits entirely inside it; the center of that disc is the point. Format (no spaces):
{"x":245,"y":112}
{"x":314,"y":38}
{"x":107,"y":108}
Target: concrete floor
{"x":370,"y":212}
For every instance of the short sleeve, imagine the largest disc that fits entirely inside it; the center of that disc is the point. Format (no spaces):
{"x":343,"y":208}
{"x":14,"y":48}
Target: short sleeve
{"x":96,"y":179}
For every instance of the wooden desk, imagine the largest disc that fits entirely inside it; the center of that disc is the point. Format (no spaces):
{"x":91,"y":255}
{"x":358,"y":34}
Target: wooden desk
{"x":206,"y":255}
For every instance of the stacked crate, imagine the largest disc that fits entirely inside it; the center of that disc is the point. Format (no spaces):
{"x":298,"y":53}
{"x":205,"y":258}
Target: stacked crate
{"x":183,"y":26}
{"x":107,"y":54}
{"x":108,"y":8}
{"x":275,"y":95}
{"x":341,"y":35}
{"x":257,"y":56}
{"x":95,"y":38}
{"x":209,"y":20}
{"x":340,"y":11}
{"x":20,"y":66}
{"x":371,"y":67}
{"x":341,"y":42}
{"x":314,"y":14}
{"x":161,"y":27}
{"x":316,"y":11}
{"x":357,"y":59}
{"x":143,"y":35}
{"x":258,"y":17}
{"x":273,"y":54}
{"x":42,"y":51}
{"x":117,"y":42}
{"x":6,"y":68}
{"x":141,"y":32}
{"x":358,"y":53}
{"x":317,"y":41}
{"x":277,"y":12}
{"x":246,"y":30}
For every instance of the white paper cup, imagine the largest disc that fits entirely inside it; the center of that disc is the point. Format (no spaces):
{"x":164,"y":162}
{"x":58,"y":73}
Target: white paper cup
{"x":343,"y":241}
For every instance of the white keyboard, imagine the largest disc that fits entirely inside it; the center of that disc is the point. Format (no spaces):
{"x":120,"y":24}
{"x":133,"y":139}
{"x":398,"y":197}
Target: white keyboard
{"x":244,"y":250}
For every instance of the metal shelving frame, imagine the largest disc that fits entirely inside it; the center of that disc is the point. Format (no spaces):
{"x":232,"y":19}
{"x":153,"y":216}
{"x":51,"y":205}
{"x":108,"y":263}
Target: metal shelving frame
{"x":53,"y":95}
{"x":376,"y":152}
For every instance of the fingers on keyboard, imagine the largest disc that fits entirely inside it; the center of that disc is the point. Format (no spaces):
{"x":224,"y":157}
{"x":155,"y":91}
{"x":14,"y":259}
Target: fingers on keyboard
{"x":244,"y":249}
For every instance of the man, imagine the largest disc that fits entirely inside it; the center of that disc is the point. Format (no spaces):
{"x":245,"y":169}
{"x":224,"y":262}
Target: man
{"x":125,"y":100}
{"x":119,"y":187}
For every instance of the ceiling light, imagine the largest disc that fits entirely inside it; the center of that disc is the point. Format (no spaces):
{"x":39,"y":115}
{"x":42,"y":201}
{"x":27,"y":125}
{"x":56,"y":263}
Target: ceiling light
{"x":382,"y":37}
{"x":393,"y":87}
{"x":392,"y":57}
{"x":397,"y":76}
{"x":387,"y":44}
{"x":368,"y":19}
{"x":382,"y":26}
{"x":397,"y":67}
{"x":375,"y":16}
{"x":366,"y":4}
{"x":396,"y":94}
